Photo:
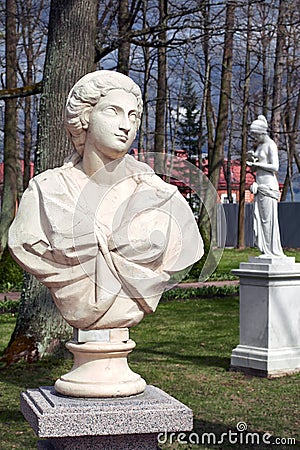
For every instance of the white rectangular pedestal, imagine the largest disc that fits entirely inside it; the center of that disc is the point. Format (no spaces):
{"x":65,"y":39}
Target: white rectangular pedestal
{"x":129,"y":423}
{"x":269,"y":317}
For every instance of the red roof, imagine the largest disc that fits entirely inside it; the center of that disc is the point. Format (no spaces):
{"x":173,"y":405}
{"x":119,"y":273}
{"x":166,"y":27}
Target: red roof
{"x":180,"y":171}
{"x":235,"y":172}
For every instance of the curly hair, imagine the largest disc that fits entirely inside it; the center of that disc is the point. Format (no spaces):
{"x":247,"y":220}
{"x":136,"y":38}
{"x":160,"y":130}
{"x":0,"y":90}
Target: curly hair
{"x":86,"y":93}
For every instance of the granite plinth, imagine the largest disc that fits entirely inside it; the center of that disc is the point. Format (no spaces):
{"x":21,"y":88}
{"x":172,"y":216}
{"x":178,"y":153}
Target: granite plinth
{"x":269,"y":317}
{"x":116,"y":423}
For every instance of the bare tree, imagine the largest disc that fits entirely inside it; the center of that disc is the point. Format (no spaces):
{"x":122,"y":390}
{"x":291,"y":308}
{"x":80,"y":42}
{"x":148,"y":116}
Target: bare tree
{"x":208,"y":84}
{"x":291,"y":114}
{"x":225,"y":94}
{"x":161,"y":96}
{"x":143,"y":143}
{"x":278,"y":73}
{"x":31,"y":55}
{"x":40,"y":329}
{"x":124,"y":47}
{"x":10,"y":132}
{"x":242,"y":187}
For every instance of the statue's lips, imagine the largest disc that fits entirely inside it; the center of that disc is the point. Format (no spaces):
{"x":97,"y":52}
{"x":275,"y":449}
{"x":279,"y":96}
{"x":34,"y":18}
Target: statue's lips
{"x":122,"y":137}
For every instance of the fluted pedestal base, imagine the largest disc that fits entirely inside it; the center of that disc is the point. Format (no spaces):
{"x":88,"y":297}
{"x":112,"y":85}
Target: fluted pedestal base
{"x":101,"y":369}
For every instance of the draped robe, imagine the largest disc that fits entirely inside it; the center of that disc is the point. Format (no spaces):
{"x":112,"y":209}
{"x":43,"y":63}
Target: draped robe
{"x":105,"y":246}
{"x":266,"y":227}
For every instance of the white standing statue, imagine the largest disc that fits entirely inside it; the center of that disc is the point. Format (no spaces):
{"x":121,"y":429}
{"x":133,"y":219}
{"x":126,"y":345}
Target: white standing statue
{"x":264,"y":161}
{"x":103,"y":232}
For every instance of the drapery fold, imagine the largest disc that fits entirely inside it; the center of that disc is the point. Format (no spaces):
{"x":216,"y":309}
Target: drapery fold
{"x":266,"y":228}
{"x":105,"y":251}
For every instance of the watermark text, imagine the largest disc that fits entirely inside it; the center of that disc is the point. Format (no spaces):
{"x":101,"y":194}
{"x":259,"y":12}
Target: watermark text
{"x":239,"y":436}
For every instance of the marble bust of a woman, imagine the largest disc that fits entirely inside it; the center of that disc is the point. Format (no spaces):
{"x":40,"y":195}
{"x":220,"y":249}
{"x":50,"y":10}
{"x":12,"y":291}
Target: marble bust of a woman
{"x":103,"y":232}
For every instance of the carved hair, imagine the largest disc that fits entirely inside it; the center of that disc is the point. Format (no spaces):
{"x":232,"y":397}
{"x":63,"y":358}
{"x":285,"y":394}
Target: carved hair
{"x":86,"y":93}
{"x":260,"y":125}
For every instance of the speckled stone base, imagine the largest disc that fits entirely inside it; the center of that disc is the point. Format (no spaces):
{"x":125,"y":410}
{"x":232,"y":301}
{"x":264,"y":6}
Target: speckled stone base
{"x":133,"y":423}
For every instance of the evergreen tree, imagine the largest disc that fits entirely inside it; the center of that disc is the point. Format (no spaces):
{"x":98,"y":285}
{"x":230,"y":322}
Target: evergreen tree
{"x":188,"y":132}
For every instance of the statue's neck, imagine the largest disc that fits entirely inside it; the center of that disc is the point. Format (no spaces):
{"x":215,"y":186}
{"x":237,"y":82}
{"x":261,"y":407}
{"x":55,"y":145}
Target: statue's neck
{"x":103,"y":170}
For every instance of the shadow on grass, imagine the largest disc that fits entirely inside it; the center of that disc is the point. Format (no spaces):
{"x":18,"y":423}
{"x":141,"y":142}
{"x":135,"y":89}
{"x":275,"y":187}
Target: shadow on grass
{"x":30,"y":375}
{"x":15,"y":432}
{"x":217,"y":436}
{"x":142,"y":356}
{"x":10,"y":415}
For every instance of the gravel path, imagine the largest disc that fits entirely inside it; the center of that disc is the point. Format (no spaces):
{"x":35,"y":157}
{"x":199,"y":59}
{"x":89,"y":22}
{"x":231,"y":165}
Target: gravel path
{"x":208,"y":283}
{"x":10,"y":295}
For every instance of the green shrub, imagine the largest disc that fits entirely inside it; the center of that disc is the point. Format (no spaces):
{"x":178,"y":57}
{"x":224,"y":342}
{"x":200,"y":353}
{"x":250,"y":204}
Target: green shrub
{"x":11,"y":275}
{"x":9,"y":306}
{"x":200,"y":292}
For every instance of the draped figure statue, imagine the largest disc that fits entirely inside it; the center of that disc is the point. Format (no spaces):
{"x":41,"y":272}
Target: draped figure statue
{"x":264,"y":161}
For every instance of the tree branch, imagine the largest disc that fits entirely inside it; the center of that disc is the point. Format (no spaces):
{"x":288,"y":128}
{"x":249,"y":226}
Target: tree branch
{"x":23,"y":91}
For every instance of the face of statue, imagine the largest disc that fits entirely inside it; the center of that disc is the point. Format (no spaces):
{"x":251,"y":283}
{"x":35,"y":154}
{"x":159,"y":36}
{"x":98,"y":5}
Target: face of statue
{"x":112,"y":125}
{"x":259,"y":137}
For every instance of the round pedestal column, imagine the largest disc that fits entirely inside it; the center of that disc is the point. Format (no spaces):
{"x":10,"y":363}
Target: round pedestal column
{"x":100,"y":370}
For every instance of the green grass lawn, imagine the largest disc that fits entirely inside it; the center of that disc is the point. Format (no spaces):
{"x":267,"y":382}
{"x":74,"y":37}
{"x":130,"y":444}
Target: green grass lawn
{"x":231,"y":258}
{"x":184,"y":349}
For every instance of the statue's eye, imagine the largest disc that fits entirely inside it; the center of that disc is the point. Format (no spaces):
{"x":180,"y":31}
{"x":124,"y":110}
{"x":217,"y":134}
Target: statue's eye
{"x":111,"y":110}
{"x":133,"y":116}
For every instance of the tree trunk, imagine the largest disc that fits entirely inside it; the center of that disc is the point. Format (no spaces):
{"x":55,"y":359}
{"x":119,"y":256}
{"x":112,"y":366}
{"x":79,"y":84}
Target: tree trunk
{"x":27,"y":142}
{"x":28,"y":103}
{"x":10,"y":188}
{"x":216,"y":157}
{"x":159,"y":135}
{"x":225,"y":94}
{"x":70,"y":55}
{"x":124,"y":44}
{"x":143,"y":143}
{"x":293,"y":136}
{"x":278,"y":73}
{"x":264,"y":56}
{"x":242,"y":188}
{"x":288,"y":130}
{"x":229,"y":157}
{"x":203,"y":220}
{"x":292,"y":110}
{"x":40,"y":329}
{"x":207,"y":87}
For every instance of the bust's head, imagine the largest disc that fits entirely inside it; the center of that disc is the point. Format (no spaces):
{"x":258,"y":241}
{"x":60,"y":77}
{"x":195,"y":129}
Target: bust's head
{"x":85,"y":95}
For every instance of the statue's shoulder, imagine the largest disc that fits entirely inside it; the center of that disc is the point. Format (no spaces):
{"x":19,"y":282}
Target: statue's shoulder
{"x":272,"y":145}
{"x":135,"y":166}
{"x":51,"y":176}
{"x":143,"y":173}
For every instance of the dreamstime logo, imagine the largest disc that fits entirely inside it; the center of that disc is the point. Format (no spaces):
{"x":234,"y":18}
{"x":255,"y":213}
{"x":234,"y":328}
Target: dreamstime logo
{"x":241,"y":437}
{"x":130,"y":214}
